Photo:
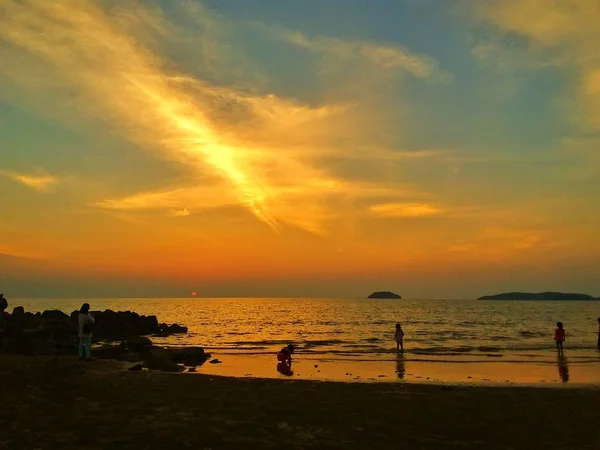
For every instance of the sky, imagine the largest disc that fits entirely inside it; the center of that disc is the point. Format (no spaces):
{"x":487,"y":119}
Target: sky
{"x":439,"y":149}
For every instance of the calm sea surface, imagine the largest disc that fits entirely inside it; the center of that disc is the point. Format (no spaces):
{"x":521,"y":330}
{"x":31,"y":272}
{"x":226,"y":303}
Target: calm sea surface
{"x":364,"y":329}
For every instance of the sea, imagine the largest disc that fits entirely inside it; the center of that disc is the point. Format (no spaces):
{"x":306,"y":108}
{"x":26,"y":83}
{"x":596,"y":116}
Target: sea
{"x":363,"y":329}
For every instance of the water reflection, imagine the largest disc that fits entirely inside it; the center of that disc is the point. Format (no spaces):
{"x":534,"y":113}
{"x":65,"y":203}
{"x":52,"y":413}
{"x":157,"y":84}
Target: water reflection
{"x":563,"y":368}
{"x":400,"y":366}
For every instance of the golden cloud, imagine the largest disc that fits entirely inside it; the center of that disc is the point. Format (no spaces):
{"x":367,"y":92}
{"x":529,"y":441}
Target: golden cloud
{"x":43,"y":183}
{"x":259,"y":151}
{"x":405,"y":210}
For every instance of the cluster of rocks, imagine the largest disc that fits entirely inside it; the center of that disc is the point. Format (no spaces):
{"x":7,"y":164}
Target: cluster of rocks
{"x":121,"y":335}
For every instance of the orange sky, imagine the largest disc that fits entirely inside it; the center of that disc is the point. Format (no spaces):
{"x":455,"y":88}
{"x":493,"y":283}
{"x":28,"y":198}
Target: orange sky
{"x":239,"y":151}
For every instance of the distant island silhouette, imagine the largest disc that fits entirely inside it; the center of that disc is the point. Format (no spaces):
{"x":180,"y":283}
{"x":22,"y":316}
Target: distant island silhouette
{"x":538,"y":296}
{"x":384,"y":294}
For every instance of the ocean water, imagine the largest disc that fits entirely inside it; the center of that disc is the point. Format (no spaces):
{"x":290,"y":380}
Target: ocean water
{"x":352,"y":329}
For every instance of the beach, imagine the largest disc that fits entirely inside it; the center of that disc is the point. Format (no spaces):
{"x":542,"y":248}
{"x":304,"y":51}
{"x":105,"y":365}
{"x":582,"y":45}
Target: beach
{"x":59,"y":402}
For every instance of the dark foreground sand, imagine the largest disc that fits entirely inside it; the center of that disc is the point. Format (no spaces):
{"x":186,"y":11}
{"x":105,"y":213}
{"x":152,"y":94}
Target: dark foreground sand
{"x":49,"y":403}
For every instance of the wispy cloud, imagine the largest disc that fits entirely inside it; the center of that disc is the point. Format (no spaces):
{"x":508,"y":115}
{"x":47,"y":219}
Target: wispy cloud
{"x":259,"y":151}
{"x":43,"y":183}
{"x":563,"y":34}
{"x":180,"y":213}
{"x":382,"y":56}
{"x":405,"y":210}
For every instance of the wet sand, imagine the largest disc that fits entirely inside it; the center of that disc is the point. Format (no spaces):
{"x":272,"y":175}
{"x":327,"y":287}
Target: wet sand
{"x":549,"y":371}
{"x":61,"y":403}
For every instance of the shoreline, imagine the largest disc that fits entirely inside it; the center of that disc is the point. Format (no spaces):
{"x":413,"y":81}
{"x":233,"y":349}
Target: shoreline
{"x":561,"y":373}
{"x":59,"y":402}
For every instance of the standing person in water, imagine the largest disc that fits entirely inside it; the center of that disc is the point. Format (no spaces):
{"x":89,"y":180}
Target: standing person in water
{"x":85,"y":323}
{"x":399,"y":337}
{"x":559,"y":336}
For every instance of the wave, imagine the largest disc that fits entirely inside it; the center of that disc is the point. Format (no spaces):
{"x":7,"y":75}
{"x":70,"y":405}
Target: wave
{"x":366,"y":349}
{"x":529,"y":334}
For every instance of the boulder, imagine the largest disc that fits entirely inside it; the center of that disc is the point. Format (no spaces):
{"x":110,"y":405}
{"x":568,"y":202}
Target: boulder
{"x":137,"y":344}
{"x":190,"y":356}
{"x":111,"y":325}
{"x":176,"y":329}
{"x":165,"y":330}
{"x":53,"y":314}
{"x":108,"y":351}
{"x":158,"y":358}
{"x":54,"y":332}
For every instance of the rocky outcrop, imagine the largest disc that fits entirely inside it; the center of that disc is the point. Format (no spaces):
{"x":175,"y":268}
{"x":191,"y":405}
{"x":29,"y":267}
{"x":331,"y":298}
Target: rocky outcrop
{"x":54,"y":314}
{"x":538,"y":296}
{"x":384,"y":294}
{"x":118,"y":325}
{"x":122,"y":336}
{"x":189,"y":356}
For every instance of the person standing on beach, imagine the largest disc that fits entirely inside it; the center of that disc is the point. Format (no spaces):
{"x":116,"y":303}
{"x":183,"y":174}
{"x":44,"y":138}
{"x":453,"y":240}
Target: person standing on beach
{"x":85,"y":322}
{"x":559,"y":336}
{"x":399,"y":337}
{"x":598,"y":333}
{"x":4,"y":305}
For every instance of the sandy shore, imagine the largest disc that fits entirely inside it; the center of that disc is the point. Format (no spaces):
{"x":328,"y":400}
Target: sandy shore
{"x":61,"y":403}
{"x":553,"y":370}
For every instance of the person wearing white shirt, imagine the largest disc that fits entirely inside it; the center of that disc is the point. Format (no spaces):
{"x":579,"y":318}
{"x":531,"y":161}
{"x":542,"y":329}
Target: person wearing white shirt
{"x":85,"y":321}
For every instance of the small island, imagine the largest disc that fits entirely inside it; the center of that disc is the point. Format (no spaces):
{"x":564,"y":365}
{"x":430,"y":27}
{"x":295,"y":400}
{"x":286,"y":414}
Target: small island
{"x":384,"y":294}
{"x":556,"y":296}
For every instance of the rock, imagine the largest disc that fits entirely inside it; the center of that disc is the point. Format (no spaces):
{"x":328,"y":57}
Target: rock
{"x":137,"y":367}
{"x":54,"y":314}
{"x":384,"y":294}
{"x":137,"y":344}
{"x":176,"y":329}
{"x":557,"y":296}
{"x":190,"y":356}
{"x":215,"y":361}
{"x":121,"y":325}
{"x":316,"y":365}
{"x":192,"y":369}
{"x":158,"y":358}
{"x":53,"y":332}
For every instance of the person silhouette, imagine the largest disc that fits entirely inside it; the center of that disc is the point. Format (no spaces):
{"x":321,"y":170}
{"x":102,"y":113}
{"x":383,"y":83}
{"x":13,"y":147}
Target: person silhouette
{"x":598,"y":333}
{"x":284,"y":360}
{"x":4,"y":305}
{"x":560,"y":336}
